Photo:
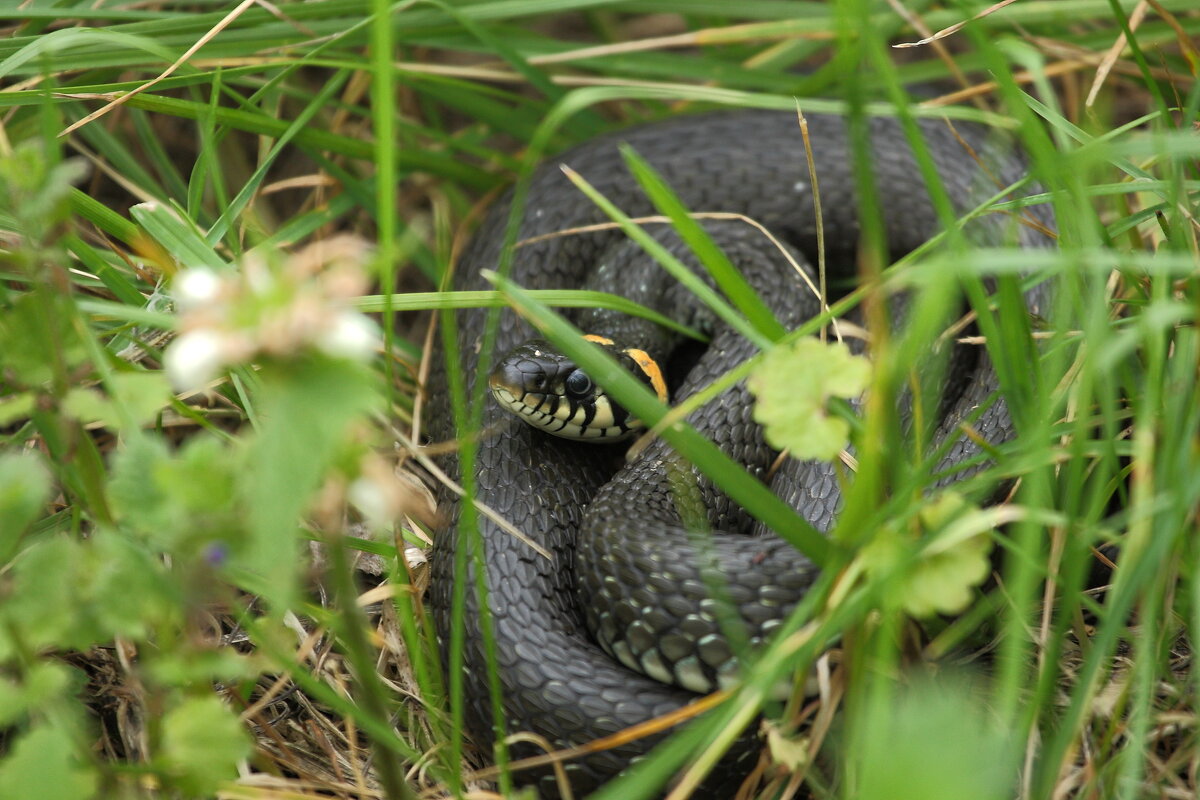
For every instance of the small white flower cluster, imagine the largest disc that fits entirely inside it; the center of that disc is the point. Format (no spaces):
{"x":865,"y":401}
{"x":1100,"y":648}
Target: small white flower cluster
{"x":382,"y":493}
{"x":271,"y":310}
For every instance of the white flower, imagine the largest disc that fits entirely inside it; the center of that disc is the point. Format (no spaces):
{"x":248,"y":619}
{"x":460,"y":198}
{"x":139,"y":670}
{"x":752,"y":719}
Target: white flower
{"x":196,"y":287}
{"x":194,"y":358}
{"x":373,"y":501}
{"x":351,"y":336}
{"x":256,"y":275}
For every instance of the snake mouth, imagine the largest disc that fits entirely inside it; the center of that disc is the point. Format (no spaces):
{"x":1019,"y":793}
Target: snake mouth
{"x":594,"y":420}
{"x":526,"y":405}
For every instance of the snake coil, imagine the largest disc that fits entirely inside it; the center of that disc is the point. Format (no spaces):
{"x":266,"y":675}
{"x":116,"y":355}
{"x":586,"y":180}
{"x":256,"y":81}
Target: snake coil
{"x":554,"y":677}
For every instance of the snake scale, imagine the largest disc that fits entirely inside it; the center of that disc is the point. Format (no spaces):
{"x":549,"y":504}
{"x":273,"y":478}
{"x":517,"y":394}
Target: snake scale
{"x":555,"y":679}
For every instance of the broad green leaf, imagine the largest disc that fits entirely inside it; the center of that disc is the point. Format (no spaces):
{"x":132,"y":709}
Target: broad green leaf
{"x":192,"y":665}
{"x":139,"y":396}
{"x":24,"y":489}
{"x":935,"y":741}
{"x":949,"y":567}
{"x":102,"y":587}
{"x":43,"y":764}
{"x":793,"y":384}
{"x":35,"y":188}
{"x":126,"y":588}
{"x":15,"y":407}
{"x":943,"y":581}
{"x":37,"y":339}
{"x":44,"y":682}
{"x":185,"y":503}
{"x":202,"y":743}
{"x":308,"y":408}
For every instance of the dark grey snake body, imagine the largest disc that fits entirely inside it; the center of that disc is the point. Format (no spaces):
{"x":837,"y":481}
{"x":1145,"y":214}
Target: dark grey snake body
{"x":555,"y":679}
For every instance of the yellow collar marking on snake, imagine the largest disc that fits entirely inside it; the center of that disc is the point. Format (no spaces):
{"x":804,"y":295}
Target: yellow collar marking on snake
{"x":649,"y":366}
{"x":645,"y":363}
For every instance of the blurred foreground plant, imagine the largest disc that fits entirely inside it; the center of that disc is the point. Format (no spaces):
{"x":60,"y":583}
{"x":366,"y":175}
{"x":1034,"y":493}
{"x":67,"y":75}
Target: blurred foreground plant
{"x":120,"y":547}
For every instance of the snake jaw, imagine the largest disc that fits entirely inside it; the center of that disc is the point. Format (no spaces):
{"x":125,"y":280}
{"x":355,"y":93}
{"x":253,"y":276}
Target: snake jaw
{"x":562,"y":416}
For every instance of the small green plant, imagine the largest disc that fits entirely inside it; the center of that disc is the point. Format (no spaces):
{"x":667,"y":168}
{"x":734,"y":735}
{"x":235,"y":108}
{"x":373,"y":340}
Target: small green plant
{"x":793,"y":386}
{"x":152,"y":534}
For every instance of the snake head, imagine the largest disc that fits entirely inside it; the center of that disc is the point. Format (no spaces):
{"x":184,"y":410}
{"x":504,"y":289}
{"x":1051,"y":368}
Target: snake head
{"x":548,"y":391}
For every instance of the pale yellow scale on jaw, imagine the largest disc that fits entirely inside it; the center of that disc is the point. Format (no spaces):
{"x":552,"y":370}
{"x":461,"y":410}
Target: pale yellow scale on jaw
{"x":567,"y":419}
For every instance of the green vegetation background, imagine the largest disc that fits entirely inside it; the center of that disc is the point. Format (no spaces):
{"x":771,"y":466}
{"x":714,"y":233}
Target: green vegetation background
{"x":179,"y":610}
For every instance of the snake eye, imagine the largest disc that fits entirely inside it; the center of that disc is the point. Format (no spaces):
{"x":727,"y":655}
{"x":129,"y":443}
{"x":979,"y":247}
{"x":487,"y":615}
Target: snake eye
{"x":578,"y":383}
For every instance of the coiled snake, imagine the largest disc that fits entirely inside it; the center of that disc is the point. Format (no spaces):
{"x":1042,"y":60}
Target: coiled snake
{"x":555,"y":679}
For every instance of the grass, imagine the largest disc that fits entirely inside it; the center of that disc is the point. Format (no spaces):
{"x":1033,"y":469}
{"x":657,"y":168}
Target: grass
{"x":159,"y":549}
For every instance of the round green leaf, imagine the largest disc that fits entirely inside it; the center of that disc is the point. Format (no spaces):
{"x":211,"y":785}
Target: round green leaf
{"x":794,"y":383}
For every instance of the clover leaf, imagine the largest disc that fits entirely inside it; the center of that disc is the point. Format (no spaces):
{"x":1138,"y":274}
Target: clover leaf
{"x":793,"y":385}
{"x":951,"y":565}
{"x":202,"y":742}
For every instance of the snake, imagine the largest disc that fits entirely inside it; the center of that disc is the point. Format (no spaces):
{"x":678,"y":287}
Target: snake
{"x":600,"y":617}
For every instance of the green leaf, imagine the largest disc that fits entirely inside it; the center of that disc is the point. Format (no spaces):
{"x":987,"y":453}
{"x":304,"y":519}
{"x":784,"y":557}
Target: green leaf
{"x":43,"y":764}
{"x":793,"y":384}
{"x":35,"y":188}
{"x":202,"y":743}
{"x":65,"y":593}
{"x":138,"y":397}
{"x":126,"y":589}
{"x":135,"y":489}
{"x":949,"y":566}
{"x":16,"y":407}
{"x":103,"y":217}
{"x":308,"y":408}
{"x":792,"y":751}
{"x":186,"y":503}
{"x":24,"y":489}
{"x":935,"y":741}
{"x":195,"y":664}
{"x":41,"y":615}
{"x":36,"y":336}
{"x":943,"y":581}
{"x":43,"y":683}
{"x":143,"y":394}
{"x":104,"y":265}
